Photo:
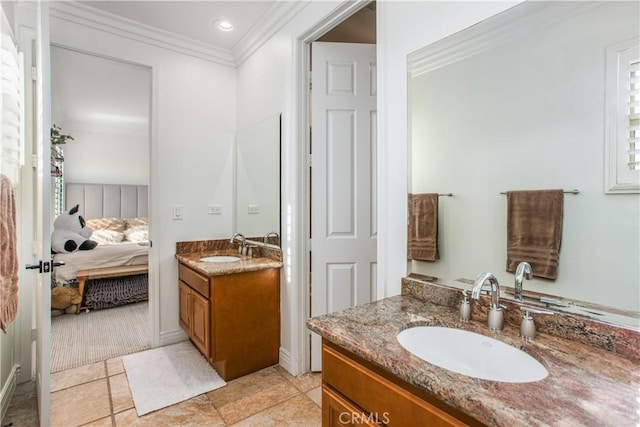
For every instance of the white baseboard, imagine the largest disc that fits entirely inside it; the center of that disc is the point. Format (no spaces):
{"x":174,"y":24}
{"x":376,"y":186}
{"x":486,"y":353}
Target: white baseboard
{"x":172,"y":337}
{"x":8,"y":388}
{"x":287,"y":362}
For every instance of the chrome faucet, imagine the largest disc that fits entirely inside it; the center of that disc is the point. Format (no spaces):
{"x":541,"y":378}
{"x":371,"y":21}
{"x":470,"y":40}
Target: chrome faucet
{"x":243,"y":242}
{"x":496,"y":317}
{"x":271,"y":233}
{"x":522,"y":270}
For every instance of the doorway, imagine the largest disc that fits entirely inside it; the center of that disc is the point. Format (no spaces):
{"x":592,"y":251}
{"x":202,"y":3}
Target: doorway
{"x":104,"y":104}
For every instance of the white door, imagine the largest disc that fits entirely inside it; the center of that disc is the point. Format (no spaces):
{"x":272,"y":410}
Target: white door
{"x":43,"y":214}
{"x":343,"y":179}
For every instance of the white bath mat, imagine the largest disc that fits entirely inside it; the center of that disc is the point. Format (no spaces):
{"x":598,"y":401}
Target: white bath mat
{"x":167,"y":375}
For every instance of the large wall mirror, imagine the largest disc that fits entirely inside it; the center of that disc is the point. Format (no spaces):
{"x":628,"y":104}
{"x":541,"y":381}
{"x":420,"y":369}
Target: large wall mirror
{"x":518,"y":102}
{"x":258,"y":178}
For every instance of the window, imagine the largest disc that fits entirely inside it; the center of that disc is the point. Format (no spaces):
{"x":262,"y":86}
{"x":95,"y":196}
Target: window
{"x":622,"y":166}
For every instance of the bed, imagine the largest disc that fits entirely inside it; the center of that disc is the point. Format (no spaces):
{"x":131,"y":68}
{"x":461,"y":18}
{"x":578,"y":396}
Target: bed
{"x":114,"y":272}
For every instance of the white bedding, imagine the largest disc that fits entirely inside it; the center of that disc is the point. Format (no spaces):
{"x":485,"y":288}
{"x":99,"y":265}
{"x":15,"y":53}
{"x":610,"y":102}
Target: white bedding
{"x":106,"y":255}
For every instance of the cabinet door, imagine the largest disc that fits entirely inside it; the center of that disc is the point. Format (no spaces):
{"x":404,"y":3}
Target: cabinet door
{"x":200,"y":327}
{"x":338,"y":412}
{"x":184,"y":292}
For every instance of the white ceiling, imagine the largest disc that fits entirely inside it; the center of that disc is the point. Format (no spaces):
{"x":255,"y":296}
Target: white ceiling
{"x":192,"y":19}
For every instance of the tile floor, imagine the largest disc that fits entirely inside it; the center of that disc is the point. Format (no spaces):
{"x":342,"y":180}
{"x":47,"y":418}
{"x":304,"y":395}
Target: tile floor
{"x":98,"y":395}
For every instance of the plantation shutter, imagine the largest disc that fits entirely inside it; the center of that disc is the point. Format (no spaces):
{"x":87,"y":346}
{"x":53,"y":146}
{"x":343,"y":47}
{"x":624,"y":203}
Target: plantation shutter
{"x":11,"y":105}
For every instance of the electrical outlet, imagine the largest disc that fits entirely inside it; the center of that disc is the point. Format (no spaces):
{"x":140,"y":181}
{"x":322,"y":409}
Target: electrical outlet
{"x":177,"y":212}
{"x":214,"y":210}
{"x":253,"y":209}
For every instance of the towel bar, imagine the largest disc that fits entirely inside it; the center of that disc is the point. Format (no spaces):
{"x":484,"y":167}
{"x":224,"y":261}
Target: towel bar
{"x":565,"y":192}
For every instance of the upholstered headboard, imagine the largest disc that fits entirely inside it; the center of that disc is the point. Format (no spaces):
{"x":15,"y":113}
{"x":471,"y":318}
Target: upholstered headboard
{"x":108,"y":200}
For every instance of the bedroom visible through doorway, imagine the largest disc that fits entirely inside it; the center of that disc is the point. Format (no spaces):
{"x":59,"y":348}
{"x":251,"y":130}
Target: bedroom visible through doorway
{"x":103,"y":105}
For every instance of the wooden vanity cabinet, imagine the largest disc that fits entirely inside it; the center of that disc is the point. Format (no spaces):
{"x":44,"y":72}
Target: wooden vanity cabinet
{"x":243,"y":318}
{"x":356,"y":392}
{"x":195,"y":308}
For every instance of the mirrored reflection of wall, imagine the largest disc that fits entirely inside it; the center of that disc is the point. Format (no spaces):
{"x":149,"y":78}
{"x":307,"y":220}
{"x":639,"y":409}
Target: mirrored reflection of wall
{"x":528,"y":114}
{"x":258,"y":178}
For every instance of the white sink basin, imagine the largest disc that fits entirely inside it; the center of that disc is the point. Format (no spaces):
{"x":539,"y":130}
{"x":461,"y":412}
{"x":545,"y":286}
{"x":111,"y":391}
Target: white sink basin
{"x":471,"y":354}
{"x":220,"y":258}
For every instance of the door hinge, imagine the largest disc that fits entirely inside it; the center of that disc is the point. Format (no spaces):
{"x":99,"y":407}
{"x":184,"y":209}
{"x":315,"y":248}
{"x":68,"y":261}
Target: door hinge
{"x":34,"y":334}
{"x":309,"y":80}
{"x":34,"y":73}
{"x":309,"y":160}
{"x":309,"y":244}
{"x":34,"y":161}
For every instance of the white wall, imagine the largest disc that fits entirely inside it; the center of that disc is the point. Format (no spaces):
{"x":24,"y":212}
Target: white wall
{"x":106,"y":155}
{"x":403,"y":27}
{"x":193,"y":128}
{"x":533,"y":118}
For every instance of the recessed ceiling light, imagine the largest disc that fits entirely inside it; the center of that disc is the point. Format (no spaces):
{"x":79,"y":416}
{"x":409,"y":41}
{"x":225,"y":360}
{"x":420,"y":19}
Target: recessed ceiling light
{"x":224,"y":25}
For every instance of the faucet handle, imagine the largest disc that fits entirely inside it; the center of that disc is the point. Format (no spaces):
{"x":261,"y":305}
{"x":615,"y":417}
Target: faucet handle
{"x":528,"y":326}
{"x":527,"y":310}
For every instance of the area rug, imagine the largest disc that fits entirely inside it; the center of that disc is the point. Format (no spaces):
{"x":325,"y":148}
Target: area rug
{"x":167,"y":375}
{"x":99,"y":335}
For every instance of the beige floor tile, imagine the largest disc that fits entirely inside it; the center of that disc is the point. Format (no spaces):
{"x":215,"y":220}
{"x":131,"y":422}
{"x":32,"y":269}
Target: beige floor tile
{"x":306,"y":382}
{"x":115,"y":366}
{"x":80,"y":375}
{"x":80,"y":405}
{"x":120,"y":393}
{"x":198,"y":411}
{"x":297,"y":411}
{"x":315,"y":394}
{"x":102,"y":422}
{"x":251,"y":394}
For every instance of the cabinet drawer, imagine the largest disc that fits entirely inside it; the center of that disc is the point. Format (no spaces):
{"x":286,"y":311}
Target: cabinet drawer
{"x":379,"y":396}
{"x":196,"y":280}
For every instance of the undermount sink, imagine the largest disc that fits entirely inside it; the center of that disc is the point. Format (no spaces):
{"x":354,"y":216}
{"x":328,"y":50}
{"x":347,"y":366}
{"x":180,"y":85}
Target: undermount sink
{"x":471,"y":354}
{"x":220,"y":258}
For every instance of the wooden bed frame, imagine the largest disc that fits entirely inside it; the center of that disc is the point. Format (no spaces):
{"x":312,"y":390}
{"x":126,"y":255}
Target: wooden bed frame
{"x":103,"y":273}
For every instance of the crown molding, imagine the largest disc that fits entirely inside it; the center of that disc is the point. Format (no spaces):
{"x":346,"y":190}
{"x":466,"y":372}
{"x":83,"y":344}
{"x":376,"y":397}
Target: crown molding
{"x":505,"y":27}
{"x":114,"y":24}
{"x":276,"y":17}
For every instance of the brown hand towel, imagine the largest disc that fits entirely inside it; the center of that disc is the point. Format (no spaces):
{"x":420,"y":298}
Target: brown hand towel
{"x":534,"y":230}
{"x":8,"y":254}
{"x":422,"y":232}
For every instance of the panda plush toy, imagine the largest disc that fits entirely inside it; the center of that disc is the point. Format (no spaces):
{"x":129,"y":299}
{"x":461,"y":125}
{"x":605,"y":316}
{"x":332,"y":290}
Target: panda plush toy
{"x":70,"y":233}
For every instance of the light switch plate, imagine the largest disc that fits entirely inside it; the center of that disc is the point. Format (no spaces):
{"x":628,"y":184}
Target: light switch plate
{"x":177,"y":212}
{"x":253,"y":209}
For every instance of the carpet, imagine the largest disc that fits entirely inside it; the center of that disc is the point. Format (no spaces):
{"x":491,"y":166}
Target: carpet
{"x":167,"y":375}
{"x":99,"y":335}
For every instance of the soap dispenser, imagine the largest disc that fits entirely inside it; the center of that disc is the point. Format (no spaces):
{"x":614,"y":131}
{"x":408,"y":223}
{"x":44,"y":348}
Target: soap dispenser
{"x":465,"y":307}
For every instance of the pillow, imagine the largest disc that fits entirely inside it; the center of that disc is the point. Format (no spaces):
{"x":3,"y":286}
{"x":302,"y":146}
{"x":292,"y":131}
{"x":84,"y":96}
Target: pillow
{"x":115,"y":224}
{"x":139,"y":233}
{"x":107,"y":236}
{"x":135,"y":222}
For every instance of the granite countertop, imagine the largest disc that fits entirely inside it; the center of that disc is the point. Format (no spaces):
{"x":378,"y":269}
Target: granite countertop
{"x":245,"y":263}
{"x":586,"y":385}
{"x":190,"y":252}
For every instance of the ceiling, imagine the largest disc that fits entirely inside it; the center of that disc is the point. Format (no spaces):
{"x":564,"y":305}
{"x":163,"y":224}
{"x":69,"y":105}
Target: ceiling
{"x":193,"y":19}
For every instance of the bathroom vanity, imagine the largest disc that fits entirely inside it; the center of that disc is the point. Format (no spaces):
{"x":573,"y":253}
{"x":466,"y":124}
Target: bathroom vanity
{"x":368,"y":373}
{"x":231,"y":310}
